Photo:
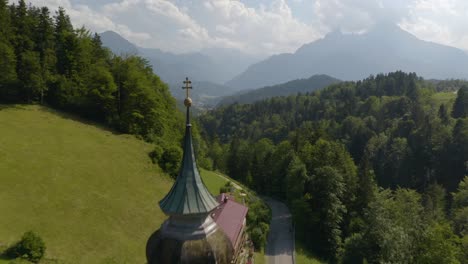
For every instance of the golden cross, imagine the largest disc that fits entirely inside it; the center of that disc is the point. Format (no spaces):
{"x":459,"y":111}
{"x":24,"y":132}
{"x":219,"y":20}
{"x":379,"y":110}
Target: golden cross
{"x":188,"y":85}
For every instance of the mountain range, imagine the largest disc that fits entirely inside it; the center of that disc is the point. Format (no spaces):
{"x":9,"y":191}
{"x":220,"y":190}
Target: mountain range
{"x":208,"y":69}
{"x":216,"y":65}
{"x":217,"y":73}
{"x":383,"y":49}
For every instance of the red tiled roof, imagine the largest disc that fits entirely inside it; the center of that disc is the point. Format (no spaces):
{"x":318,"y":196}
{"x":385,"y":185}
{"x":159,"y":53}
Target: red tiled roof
{"x":230,"y":217}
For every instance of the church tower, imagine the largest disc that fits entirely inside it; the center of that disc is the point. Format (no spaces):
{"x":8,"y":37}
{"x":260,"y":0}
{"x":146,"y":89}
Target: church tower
{"x":189,"y":235}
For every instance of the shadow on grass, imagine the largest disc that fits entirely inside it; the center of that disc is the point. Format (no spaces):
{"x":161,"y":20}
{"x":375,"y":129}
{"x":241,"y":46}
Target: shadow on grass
{"x":5,"y":259}
{"x":11,"y":106}
{"x":80,"y":119}
{"x":62,"y":114}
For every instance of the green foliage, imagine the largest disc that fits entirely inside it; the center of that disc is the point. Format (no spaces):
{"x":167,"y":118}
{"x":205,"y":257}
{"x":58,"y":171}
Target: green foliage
{"x":258,"y":221}
{"x":8,"y":76}
{"x":434,"y":202}
{"x":258,"y":237}
{"x":45,"y":60}
{"x":295,"y":179}
{"x":464,"y":249}
{"x":328,"y":211}
{"x":156,"y":154}
{"x":391,"y":119}
{"x":439,"y":245}
{"x":304,"y":149}
{"x":226,"y":188}
{"x":390,"y":233}
{"x":460,"y":208}
{"x":31,"y":247}
{"x":170,"y":160}
{"x":460,"y":107}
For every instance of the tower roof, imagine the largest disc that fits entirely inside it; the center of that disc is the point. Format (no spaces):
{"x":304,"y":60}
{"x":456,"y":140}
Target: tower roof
{"x":189,"y":194}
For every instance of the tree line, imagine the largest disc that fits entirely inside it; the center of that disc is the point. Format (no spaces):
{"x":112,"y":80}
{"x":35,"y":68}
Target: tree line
{"x":372,"y":170}
{"x":45,"y":60}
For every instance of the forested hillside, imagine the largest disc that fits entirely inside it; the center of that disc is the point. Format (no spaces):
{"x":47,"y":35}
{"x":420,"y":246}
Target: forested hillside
{"x":289,"y":88}
{"x":45,"y":60}
{"x":370,"y":168}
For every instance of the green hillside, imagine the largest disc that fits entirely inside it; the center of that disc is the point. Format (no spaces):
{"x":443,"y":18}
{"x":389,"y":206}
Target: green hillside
{"x":91,"y":194}
{"x":313,"y":83}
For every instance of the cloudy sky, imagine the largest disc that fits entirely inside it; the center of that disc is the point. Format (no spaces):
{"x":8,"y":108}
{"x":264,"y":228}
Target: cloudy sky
{"x":262,"y":26}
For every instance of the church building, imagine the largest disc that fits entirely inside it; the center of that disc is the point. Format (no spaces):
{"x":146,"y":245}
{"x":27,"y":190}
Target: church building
{"x":190,"y":234}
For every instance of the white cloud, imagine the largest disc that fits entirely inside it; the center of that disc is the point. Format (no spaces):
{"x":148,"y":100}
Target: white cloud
{"x":357,"y":15}
{"x":261,"y":26}
{"x":83,"y":15}
{"x":269,"y":29}
{"x":190,"y":26}
{"x":442,"y":21}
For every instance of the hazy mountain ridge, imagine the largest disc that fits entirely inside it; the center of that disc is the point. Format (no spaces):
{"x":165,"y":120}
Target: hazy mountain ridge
{"x":118,"y":44}
{"x":216,"y":65}
{"x":208,"y":69}
{"x":385,"y":48}
{"x":311,"y":84}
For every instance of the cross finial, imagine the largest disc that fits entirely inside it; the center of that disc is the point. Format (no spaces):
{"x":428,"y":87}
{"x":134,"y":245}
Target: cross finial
{"x":188,"y":85}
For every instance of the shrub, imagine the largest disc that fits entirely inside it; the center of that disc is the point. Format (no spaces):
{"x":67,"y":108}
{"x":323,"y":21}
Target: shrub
{"x":170,"y":160}
{"x":156,"y":154}
{"x":226,"y":188}
{"x":31,"y":247}
{"x":258,"y":238}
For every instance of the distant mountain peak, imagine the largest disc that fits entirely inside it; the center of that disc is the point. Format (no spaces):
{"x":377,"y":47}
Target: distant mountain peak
{"x":118,"y":44}
{"x":111,"y":33}
{"x":386,"y":47}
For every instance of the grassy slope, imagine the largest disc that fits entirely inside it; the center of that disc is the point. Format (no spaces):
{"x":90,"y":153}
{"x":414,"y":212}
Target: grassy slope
{"x":92,"y":195}
{"x":212,"y":181}
{"x":444,"y":97}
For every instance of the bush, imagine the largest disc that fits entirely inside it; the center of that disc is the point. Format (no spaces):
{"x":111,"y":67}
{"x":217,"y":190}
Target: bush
{"x":258,"y":238}
{"x":156,"y":154}
{"x":226,"y":188}
{"x":258,"y":221}
{"x":31,"y":247}
{"x":170,"y":160}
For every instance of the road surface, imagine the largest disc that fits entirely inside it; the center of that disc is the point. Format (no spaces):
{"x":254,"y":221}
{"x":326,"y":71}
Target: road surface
{"x":280,"y":244}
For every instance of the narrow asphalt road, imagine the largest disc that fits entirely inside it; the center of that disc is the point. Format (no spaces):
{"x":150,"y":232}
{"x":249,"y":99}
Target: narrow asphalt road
{"x":280,"y":244}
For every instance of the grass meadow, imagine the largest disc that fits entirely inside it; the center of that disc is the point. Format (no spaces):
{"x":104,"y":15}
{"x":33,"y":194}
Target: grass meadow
{"x":90,"y":193}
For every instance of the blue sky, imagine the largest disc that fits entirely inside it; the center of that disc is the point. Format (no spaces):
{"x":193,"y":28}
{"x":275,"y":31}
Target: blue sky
{"x":262,"y":26}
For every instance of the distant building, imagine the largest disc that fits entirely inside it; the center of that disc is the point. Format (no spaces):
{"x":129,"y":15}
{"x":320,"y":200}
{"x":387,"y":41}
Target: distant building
{"x":190,"y":235}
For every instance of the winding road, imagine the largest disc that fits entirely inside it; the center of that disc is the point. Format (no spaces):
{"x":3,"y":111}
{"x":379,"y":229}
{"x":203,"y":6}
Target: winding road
{"x":280,"y":243}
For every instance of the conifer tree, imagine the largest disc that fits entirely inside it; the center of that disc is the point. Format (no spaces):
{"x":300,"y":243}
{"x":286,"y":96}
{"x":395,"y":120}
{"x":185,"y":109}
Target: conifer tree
{"x":5,"y":22}
{"x":460,"y":107}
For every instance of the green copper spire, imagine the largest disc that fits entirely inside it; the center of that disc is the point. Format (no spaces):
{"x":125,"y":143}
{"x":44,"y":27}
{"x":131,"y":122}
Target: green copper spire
{"x":188,"y":195}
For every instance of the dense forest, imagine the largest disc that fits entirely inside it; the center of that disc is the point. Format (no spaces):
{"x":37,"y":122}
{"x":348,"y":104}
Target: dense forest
{"x":45,"y":60}
{"x":372,"y":170}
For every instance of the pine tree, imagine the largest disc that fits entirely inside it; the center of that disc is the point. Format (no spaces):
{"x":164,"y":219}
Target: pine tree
{"x":44,"y":38}
{"x":31,"y":79}
{"x":443,"y":114}
{"x":23,"y":28}
{"x":8,"y":79}
{"x":5,"y":22}
{"x":64,"y":41}
{"x":460,"y":107}
{"x":296,"y":178}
